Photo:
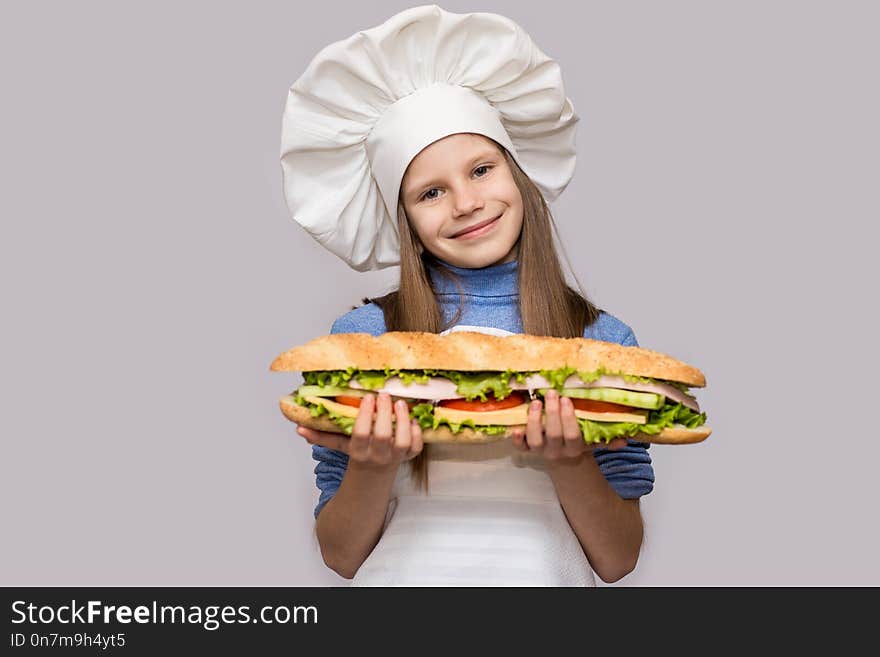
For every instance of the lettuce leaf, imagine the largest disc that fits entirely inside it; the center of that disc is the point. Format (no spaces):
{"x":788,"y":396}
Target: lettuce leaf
{"x":316,"y":410}
{"x":558,"y":377}
{"x":471,"y":385}
{"x":333,"y":378}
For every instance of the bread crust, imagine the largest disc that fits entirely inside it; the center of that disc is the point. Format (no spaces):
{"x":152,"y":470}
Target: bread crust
{"x":472,"y":351}
{"x":303,"y":417}
{"x":675,"y":436}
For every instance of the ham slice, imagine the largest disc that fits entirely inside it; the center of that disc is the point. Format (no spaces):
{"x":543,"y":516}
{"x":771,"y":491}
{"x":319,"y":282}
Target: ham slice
{"x":436,"y":388}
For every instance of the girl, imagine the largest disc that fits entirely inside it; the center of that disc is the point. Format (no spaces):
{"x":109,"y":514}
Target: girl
{"x":475,"y":249}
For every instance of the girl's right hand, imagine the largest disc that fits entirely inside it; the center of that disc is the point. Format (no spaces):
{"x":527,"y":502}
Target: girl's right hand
{"x":379,"y":444}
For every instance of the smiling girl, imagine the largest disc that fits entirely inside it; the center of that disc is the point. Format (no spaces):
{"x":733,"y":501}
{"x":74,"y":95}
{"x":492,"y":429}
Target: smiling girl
{"x":434,"y":178}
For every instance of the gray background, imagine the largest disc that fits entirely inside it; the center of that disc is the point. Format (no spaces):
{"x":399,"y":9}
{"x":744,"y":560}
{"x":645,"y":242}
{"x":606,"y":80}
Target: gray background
{"x":724,"y":205}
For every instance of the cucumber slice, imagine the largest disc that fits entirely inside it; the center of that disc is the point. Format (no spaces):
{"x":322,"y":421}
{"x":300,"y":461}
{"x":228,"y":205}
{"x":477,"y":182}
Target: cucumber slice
{"x":614,"y":396}
{"x":330,"y":391}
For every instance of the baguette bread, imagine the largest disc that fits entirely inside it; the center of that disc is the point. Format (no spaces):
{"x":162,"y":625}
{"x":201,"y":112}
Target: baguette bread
{"x":443,"y":434}
{"x":471,"y":351}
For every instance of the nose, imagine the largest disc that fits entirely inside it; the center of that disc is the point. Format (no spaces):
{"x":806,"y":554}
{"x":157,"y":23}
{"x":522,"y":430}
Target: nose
{"x":467,"y":200}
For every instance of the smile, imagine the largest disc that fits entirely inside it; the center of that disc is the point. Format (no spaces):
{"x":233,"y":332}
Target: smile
{"x":477,"y":232}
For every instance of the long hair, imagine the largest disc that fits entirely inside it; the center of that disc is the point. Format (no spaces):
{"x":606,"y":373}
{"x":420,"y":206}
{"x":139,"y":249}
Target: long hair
{"x":548,"y":305}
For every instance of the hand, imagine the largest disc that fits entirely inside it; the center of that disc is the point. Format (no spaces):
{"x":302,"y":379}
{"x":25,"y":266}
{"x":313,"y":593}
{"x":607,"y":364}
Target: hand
{"x":375,"y":445}
{"x":560,"y":439}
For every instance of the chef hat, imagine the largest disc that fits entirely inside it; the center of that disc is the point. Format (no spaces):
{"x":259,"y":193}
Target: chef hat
{"x":367,"y":105}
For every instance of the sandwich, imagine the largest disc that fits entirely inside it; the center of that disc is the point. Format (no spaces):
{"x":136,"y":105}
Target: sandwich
{"x":472,"y":387}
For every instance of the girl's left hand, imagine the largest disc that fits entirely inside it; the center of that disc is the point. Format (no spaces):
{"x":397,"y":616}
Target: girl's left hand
{"x":560,"y":439}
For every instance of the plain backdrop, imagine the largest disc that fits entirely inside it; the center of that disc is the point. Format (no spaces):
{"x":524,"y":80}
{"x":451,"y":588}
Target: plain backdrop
{"x":724,"y":205}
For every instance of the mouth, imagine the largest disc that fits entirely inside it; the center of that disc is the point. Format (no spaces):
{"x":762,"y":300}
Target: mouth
{"x":477,"y":229}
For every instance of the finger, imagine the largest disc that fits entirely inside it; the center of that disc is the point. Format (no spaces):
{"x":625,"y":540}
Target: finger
{"x":518,"y":438}
{"x":383,"y":431}
{"x":416,"y":443}
{"x":617,"y":443}
{"x":336,"y":441}
{"x":553,"y":425}
{"x":402,"y":434}
{"x":572,"y":436}
{"x":534,"y":427}
{"x":363,"y":426}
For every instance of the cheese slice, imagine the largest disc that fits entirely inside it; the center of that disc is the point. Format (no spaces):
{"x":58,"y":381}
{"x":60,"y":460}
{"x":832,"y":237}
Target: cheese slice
{"x":636,"y":416}
{"x":520,"y":415}
{"x":504,"y":417}
{"x":340,"y":409}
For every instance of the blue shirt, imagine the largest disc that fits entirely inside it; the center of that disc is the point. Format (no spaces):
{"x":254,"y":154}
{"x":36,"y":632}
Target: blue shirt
{"x":491,"y":298}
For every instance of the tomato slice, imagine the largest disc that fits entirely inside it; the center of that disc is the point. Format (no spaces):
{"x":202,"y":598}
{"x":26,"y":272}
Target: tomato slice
{"x":492,"y":404}
{"x":356,"y":401}
{"x":349,"y":401}
{"x":600,"y":406}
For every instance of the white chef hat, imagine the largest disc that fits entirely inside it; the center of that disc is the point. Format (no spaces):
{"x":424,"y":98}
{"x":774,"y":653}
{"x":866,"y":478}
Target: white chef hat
{"x":367,"y":105}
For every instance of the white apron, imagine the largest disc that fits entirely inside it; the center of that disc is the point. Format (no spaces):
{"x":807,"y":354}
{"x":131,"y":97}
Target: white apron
{"x":492,"y":518}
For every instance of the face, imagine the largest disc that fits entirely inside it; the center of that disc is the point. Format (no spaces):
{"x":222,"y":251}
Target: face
{"x":456,"y":184}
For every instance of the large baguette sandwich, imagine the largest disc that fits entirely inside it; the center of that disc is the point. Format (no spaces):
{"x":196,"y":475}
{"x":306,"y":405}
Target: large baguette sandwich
{"x":474,"y":388}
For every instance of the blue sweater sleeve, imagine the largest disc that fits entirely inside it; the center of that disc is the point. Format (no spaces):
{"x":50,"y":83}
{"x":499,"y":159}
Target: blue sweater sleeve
{"x":328,"y":473}
{"x":628,"y":470}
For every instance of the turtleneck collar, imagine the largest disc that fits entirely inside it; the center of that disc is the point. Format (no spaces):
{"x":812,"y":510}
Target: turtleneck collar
{"x":494,"y":281}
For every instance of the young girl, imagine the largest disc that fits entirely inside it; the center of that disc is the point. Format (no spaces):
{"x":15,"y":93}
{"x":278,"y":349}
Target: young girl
{"x":436,"y":140}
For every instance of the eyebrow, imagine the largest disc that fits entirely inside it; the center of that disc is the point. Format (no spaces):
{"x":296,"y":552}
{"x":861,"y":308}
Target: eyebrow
{"x":414,"y":189}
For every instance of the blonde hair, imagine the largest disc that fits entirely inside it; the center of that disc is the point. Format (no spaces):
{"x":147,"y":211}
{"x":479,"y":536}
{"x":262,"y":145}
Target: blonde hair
{"x":548,"y":305}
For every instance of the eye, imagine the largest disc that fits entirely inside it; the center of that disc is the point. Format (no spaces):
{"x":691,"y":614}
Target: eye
{"x":427,"y":197}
